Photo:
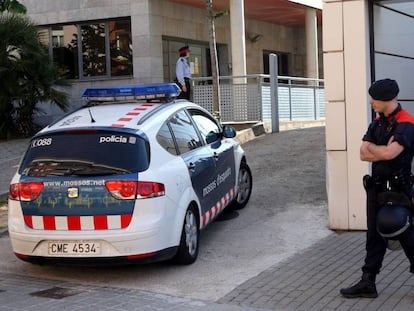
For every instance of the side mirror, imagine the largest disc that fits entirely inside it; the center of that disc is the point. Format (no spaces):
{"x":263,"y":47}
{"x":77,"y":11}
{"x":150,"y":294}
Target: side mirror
{"x":229,"y":132}
{"x":212,"y":137}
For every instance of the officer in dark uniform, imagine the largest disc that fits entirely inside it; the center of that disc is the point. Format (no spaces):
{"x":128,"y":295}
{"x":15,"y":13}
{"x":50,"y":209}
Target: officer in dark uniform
{"x":183,"y":73}
{"x":389,"y":145}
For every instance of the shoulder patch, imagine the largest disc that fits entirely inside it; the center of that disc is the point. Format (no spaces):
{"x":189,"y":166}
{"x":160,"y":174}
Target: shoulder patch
{"x":403,"y":116}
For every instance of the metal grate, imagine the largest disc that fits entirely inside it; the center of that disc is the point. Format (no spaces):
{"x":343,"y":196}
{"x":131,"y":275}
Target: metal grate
{"x":251,"y":101}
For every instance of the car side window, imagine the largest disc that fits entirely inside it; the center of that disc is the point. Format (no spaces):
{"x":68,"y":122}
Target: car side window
{"x":184,"y":132}
{"x":165,"y":139}
{"x":207,"y":126}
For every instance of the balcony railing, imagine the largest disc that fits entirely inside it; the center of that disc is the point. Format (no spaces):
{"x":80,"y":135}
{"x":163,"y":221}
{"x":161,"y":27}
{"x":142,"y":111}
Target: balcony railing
{"x":248,"y":98}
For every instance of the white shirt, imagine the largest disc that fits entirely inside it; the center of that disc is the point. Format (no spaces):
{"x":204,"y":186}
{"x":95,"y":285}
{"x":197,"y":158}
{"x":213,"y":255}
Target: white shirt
{"x":182,"y":70}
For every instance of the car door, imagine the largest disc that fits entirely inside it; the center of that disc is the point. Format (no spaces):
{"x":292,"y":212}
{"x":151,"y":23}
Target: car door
{"x":222,"y":150}
{"x":197,"y":156}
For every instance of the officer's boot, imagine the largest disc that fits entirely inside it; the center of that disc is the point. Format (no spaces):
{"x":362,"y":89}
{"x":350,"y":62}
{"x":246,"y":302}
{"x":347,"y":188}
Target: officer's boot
{"x":364,"y":288}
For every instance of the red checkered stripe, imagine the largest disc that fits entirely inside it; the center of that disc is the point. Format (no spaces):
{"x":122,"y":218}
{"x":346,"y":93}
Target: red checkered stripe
{"x":218,"y":207}
{"x":121,"y":122}
{"x":97,"y":222}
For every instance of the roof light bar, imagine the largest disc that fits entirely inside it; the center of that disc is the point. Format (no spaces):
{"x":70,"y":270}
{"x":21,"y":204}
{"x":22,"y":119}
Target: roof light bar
{"x":146,"y":91}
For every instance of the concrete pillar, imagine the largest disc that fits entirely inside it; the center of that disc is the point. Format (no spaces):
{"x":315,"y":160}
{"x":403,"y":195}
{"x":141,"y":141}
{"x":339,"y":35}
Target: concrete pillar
{"x":347,"y":76}
{"x":238,"y":41}
{"x":312,"y":66}
{"x":238,"y":55}
{"x":146,"y":28}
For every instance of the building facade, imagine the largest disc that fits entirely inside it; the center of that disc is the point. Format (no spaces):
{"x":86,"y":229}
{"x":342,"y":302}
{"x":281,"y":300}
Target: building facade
{"x":363,"y":41}
{"x":137,"y":41}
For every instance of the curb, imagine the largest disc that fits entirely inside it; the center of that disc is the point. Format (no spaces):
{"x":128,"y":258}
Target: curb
{"x":246,"y":135}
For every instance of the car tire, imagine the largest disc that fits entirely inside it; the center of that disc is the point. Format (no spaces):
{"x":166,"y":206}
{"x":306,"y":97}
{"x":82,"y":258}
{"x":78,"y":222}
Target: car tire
{"x":188,"y":249}
{"x":244,"y":187}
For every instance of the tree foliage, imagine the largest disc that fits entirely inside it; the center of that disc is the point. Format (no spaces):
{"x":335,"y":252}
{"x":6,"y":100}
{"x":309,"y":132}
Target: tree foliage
{"x":27,"y":76}
{"x":12,"y":6}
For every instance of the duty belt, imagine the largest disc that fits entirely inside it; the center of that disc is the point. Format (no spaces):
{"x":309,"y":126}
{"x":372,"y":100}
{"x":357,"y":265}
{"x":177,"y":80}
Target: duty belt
{"x":394,"y":183}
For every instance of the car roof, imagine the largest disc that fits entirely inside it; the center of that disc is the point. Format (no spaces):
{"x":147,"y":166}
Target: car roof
{"x":118,"y":115}
{"x":127,"y":107}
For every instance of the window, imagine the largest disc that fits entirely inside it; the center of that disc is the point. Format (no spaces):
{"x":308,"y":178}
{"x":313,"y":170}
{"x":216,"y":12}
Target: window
{"x":184,"y":132}
{"x":165,"y":139}
{"x":207,"y":126}
{"x":82,"y":51}
{"x":282,"y":63}
{"x":94,"y":153}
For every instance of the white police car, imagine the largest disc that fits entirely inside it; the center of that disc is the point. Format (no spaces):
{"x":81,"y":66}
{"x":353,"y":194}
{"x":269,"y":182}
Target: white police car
{"x":133,"y":175}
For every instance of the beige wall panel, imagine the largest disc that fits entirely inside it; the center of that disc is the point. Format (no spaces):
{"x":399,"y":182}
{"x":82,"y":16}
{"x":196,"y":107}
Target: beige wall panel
{"x":334,"y":76}
{"x":356,"y":52}
{"x":336,"y":176}
{"x":333,"y":27}
{"x":335,"y":126}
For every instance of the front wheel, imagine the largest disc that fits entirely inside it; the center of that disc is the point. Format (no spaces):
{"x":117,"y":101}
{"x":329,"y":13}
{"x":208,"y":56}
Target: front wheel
{"x":244,"y":186}
{"x":188,"y":249}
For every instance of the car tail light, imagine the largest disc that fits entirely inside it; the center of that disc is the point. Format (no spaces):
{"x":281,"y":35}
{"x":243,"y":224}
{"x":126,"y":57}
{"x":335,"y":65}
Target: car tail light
{"x":129,"y":190}
{"x":150,"y":189}
{"x":28,"y":191}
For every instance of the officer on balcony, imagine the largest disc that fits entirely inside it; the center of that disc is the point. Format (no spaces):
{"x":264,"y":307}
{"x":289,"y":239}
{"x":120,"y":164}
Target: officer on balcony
{"x":182,"y":72}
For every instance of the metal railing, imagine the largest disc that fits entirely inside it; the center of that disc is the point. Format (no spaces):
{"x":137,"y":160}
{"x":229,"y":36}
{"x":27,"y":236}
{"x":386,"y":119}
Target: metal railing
{"x":248,"y":98}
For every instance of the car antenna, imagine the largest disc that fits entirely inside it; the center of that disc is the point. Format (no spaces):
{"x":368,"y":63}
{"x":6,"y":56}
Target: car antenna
{"x":90,"y":113}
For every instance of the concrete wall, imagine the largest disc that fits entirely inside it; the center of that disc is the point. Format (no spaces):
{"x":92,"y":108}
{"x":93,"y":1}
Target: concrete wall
{"x":347,"y":77}
{"x":151,"y":20}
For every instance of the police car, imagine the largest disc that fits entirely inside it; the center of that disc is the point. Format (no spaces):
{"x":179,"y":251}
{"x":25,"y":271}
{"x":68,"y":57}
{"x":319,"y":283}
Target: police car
{"x":134,"y":175}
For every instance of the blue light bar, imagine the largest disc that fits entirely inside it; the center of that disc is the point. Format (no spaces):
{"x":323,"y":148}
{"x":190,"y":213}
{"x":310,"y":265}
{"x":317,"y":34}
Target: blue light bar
{"x":146,"y":91}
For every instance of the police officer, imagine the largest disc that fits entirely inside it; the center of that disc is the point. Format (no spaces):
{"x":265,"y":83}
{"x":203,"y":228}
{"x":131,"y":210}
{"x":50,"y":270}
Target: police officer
{"x":182,"y":72}
{"x":389,"y":145}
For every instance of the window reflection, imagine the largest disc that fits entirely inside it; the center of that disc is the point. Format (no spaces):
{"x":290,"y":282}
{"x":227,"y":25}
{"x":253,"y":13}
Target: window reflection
{"x":165,"y":139}
{"x":93,"y":50}
{"x":89,"y":51}
{"x":65,"y":49}
{"x":121,"y":48}
{"x":184,"y":132}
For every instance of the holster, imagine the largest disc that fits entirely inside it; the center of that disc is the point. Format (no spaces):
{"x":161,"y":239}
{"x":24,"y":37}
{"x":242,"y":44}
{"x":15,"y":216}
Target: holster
{"x":393,"y":191}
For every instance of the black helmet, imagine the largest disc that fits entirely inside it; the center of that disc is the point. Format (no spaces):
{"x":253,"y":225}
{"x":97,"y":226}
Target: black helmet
{"x":393,"y":220}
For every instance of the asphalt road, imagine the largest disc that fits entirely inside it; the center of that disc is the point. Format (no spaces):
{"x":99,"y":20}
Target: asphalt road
{"x":287,"y":212}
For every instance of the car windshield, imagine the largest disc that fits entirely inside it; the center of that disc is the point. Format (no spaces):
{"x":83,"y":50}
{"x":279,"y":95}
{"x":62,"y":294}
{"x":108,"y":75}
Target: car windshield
{"x":85,"y":154}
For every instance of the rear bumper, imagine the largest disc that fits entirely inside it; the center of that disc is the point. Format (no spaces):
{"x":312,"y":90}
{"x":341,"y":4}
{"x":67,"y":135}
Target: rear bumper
{"x":151,"y":257}
{"x":149,"y":237}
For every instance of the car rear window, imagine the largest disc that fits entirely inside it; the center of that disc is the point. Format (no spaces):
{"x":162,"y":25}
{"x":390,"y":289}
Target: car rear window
{"x":85,"y":153}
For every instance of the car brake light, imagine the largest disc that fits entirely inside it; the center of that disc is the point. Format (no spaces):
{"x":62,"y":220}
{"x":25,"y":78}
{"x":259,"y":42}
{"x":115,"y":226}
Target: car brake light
{"x":28,"y":191}
{"x":130,"y":190}
{"x":150,"y":189}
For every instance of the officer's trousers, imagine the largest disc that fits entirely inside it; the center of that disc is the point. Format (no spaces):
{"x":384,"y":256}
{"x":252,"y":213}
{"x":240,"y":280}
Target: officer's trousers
{"x":185,"y":95}
{"x":376,"y":245}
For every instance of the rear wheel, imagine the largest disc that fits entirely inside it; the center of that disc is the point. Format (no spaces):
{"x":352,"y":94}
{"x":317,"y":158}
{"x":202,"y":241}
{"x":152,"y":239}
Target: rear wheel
{"x":244,"y":186}
{"x":188,"y":250}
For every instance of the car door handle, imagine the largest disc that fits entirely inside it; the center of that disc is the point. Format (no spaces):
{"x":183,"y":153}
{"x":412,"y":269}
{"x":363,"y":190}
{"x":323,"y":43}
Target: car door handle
{"x":215,"y":156}
{"x":191,"y":166}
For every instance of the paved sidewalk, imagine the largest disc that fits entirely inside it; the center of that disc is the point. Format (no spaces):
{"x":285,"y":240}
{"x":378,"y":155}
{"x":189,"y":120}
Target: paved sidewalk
{"x":311,"y":280}
{"x":19,"y":293}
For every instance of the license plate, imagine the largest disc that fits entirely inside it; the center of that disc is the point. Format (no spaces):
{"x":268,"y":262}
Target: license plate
{"x":75,"y":248}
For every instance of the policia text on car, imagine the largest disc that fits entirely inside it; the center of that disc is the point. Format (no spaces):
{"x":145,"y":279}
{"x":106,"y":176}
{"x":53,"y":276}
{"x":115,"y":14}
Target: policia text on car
{"x":389,"y":145}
